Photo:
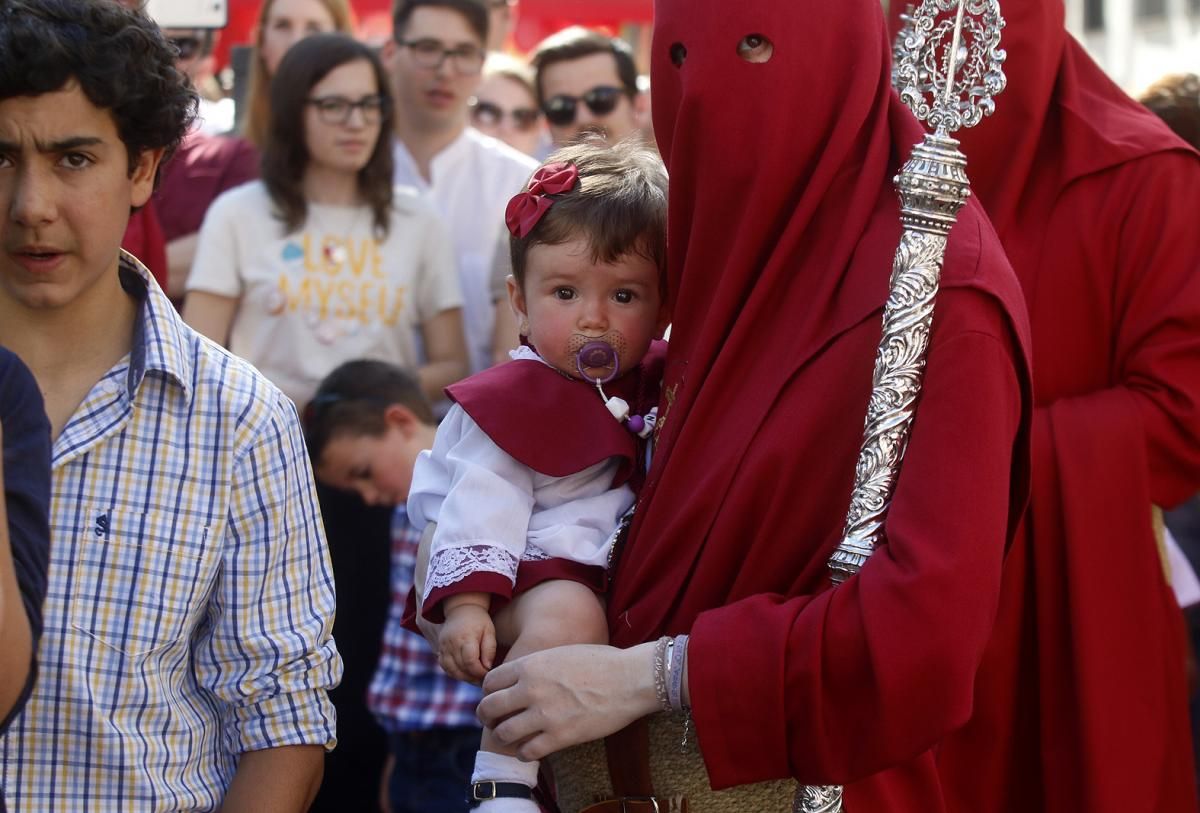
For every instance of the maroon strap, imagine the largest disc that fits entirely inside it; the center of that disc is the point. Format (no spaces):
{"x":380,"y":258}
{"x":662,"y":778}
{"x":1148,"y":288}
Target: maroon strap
{"x":628,"y":753}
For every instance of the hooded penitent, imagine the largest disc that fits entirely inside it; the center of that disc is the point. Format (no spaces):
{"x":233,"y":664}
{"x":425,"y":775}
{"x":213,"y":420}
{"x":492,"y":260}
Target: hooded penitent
{"x":1081,"y":702}
{"x":781,"y":136}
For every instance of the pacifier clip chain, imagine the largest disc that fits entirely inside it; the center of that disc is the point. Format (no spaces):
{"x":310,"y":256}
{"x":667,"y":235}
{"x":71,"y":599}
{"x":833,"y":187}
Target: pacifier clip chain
{"x":599,"y":354}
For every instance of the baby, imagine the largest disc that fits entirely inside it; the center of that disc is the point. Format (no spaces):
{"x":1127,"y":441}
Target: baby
{"x":538,"y":459}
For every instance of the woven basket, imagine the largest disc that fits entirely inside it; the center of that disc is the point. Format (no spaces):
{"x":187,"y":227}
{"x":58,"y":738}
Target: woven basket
{"x":581,"y":776}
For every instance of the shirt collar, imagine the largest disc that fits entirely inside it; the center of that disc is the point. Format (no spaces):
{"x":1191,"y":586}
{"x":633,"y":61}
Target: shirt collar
{"x":449,"y":156}
{"x":159,"y":335}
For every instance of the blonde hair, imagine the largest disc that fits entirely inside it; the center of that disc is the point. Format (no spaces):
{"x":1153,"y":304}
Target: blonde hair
{"x":509,"y":67}
{"x":258,"y":104}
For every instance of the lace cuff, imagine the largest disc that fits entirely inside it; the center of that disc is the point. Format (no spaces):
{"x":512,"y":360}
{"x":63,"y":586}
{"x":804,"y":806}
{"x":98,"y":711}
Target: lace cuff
{"x":451,"y":565}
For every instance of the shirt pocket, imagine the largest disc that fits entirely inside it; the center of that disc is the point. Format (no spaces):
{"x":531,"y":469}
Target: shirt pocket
{"x":137,"y":582}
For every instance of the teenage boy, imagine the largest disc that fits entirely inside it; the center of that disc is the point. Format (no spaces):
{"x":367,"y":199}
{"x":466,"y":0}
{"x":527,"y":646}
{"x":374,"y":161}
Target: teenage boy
{"x":187,"y":651}
{"x":365,"y":428}
{"x":587,"y":83}
{"x":435,"y":58}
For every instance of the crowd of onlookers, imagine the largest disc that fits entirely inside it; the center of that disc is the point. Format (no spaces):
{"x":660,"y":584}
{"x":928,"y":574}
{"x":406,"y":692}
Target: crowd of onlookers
{"x":342,"y":229}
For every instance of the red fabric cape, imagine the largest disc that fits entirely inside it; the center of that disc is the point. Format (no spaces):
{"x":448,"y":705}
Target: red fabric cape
{"x":144,"y":240}
{"x":1081,"y":702}
{"x":782,"y":230}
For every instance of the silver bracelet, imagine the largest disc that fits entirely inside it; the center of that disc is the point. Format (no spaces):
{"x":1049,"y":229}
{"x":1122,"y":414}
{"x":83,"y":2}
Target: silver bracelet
{"x":675,"y":673}
{"x":660,"y":671}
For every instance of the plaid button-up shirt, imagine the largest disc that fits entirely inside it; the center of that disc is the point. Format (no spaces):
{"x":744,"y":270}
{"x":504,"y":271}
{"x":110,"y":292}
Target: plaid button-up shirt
{"x":409,"y":691}
{"x":190,"y":601}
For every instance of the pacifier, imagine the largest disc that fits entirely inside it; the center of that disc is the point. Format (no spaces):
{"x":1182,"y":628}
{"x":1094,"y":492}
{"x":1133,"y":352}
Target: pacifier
{"x":597,"y":355}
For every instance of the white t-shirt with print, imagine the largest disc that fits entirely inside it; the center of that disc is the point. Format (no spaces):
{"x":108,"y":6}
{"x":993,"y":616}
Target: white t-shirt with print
{"x":329,"y":292}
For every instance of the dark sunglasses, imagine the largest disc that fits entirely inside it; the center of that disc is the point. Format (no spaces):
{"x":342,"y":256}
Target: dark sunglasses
{"x":187,"y":47}
{"x":490,"y":115}
{"x":560,"y":110}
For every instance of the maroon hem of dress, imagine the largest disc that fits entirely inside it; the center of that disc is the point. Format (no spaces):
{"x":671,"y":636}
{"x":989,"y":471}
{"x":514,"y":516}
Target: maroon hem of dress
{"x":529,"y":575}
{"x":532,"y":573}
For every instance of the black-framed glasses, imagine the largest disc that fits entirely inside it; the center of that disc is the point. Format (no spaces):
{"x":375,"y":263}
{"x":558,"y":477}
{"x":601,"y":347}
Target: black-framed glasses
{"x":489,"y":114}
{"x":431,"y":53}
{"x":560,"y":110}
{"x":187,"y":47}
{"x":338,"y":109}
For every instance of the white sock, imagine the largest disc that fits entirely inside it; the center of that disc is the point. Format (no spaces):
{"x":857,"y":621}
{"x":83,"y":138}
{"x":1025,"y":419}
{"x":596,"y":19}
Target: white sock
{"x":491,"y":767}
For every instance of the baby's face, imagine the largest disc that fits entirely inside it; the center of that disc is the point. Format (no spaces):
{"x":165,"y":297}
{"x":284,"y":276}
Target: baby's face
{"x":569,"y":303}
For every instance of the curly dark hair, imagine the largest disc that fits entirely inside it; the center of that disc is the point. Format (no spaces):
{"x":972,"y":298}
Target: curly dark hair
{"x":285,"y":155}
{"x":120,"y":59}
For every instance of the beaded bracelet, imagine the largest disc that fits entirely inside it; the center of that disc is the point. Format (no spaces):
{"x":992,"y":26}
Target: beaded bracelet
{"x":660,"y":671}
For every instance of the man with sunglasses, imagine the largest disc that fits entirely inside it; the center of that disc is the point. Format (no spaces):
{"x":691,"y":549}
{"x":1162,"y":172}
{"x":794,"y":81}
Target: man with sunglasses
{"x":435,"y":58}
{"x":587,"y":83}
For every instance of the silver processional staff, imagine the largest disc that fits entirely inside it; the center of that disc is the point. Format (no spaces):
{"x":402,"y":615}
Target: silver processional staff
{"x":948,"y":68}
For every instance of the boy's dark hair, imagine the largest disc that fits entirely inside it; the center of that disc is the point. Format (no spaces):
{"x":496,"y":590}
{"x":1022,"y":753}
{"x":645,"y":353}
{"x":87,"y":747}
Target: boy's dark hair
{"x":120,"y":59}
{"x":1176,"y":100}
{"x":577,"y":42}
{"x":352,"y":400}
{"x":474,"y":11}
{"x":285,"y":155}
{"x":619,"y":205}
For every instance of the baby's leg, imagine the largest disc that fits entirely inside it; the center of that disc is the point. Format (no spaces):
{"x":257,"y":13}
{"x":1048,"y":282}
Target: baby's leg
{"x":554,"y":613}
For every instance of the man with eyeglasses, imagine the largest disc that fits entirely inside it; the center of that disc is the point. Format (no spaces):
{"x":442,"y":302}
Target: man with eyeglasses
{"x":435,"y":58}
{"x":587,"y":83}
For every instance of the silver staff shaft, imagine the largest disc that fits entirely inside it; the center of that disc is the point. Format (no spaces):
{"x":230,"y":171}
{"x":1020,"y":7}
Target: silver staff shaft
{"x":933,"y":189}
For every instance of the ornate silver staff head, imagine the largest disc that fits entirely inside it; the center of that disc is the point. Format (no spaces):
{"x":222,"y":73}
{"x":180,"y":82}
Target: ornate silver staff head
{"x":948,"y":64}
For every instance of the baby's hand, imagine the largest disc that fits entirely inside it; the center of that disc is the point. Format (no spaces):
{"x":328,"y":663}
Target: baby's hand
{"x":467,"y":642}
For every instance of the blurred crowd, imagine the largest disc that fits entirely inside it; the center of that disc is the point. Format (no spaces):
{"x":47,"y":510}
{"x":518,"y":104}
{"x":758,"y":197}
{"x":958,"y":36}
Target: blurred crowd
{"x":391,"y":166}
{"x":458,"y":121}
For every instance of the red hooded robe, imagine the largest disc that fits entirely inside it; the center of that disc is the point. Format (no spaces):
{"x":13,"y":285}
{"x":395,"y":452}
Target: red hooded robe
{"x":1082,"y":701}
{"x":782,"y":228}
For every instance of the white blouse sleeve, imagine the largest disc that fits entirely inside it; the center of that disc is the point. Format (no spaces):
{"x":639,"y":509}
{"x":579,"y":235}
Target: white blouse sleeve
{"x":480,"y":497}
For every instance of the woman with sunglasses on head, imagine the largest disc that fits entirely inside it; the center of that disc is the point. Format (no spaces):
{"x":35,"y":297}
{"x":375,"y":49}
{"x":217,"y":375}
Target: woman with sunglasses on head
{"x":319,"y":263}
{"x":505,"y":106}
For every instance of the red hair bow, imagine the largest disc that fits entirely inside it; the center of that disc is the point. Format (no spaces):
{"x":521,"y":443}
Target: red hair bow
{"x":526,"y":208}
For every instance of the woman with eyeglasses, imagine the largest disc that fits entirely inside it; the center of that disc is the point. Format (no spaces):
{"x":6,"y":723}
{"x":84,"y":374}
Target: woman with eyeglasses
{"x":505,"y":106}
{"x":281,"y":24}
{"x":321,"y":261}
